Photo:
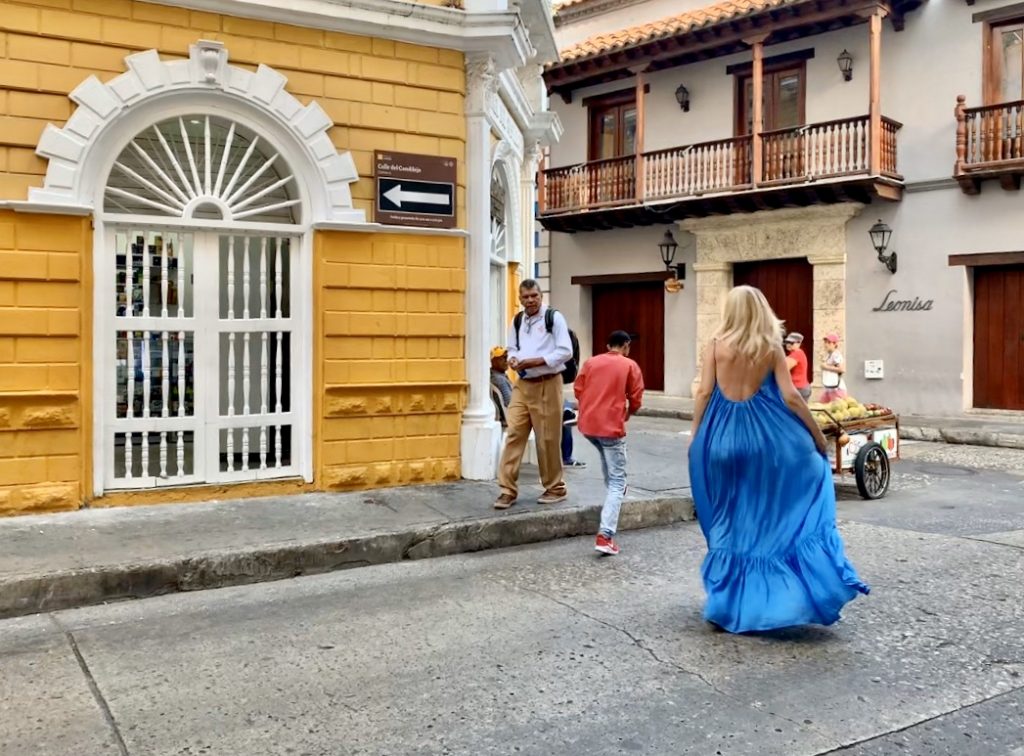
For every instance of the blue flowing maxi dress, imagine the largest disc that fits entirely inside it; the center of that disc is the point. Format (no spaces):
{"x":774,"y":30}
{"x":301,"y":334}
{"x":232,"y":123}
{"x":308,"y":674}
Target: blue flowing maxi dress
{"x":766,"y":503}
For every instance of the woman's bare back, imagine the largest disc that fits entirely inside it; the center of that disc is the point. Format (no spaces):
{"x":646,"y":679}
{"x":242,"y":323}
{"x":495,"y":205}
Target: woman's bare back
{"x":737,"y":377}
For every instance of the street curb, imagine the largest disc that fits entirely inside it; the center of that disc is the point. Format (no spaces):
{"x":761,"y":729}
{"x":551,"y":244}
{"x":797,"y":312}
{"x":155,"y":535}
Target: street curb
{"x":667,"y":413}
{"x":67,"y":589}
{"x":965,"y":436}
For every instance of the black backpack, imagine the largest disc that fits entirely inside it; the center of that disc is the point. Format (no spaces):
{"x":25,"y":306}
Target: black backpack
{"x":572,"y":367}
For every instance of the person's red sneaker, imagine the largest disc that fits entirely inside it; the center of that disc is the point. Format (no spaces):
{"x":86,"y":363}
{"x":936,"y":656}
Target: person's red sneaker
{"x":605,"y":545}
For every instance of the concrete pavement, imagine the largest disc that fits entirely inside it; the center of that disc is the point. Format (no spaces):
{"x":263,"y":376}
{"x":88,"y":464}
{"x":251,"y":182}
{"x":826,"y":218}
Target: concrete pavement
{"x":73,"y":559}
{"x":545,"y":650}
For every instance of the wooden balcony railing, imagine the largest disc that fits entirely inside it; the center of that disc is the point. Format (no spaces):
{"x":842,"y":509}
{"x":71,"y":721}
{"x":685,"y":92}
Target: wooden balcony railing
{"x":596,"y":184}
{"x":889,"y":129}
{"x":988,"y":137}
{"x":698,"y":169}
{"x":808,"y":153}
{"x":826,"y":150}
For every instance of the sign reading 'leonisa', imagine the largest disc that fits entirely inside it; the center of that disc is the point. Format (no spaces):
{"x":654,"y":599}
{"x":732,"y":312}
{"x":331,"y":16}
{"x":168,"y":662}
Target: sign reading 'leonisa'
{"x":902,"y":305}
{"x":415,"y":190}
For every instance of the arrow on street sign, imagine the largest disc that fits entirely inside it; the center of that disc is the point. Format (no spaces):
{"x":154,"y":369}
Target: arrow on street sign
{"x":415,"y":190}
{"x":396,"y":195}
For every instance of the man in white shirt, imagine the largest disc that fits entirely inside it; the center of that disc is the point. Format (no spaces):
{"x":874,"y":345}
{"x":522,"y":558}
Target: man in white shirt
{"x":539,"y":356}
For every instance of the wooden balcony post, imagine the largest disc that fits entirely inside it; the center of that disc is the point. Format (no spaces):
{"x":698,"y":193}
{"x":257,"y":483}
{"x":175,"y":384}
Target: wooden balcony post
{"x":875,"y":93}
{"x":961,"y":135}
{"x":640,"y":108}
{"x":757,"y":109}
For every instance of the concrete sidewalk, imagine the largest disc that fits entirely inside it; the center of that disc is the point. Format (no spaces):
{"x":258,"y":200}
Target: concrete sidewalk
{"x":58,"y":561}
{"x":975,"y":429}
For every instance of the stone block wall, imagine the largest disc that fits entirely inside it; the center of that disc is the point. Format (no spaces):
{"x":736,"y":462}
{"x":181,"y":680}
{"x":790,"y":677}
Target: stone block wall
{"x":391,"y":368}
{"x":381,"y":95}
{"x":43,"y":367}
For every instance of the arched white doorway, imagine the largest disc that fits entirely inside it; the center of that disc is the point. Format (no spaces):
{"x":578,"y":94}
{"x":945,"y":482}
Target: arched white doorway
{"x":204,"y":181}
{"x":203,"y":227}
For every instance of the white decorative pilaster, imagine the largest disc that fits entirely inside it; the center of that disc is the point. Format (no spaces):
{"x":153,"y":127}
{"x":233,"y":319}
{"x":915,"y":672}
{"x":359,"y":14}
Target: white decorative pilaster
{"x":481,"y":433}
{"x":527,"y":206}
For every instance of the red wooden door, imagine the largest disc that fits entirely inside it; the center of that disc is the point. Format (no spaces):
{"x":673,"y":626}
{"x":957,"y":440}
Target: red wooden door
{"x":789,"y":287}
{"x":639,"y":310}
{"x":999,"y":337}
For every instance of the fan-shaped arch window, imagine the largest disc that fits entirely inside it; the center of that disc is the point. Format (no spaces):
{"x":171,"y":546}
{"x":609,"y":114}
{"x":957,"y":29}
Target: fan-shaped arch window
{"x":203,"y":167}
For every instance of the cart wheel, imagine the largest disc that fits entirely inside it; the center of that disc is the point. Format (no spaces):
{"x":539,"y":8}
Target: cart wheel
{"x":871,"y":468}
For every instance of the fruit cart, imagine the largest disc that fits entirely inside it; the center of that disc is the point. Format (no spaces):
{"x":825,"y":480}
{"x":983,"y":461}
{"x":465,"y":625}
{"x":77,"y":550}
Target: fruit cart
{"x":866,"y":439}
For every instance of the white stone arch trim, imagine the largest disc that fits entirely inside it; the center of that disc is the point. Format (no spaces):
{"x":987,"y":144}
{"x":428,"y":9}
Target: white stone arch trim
{"x":81,"y":153}
{"x":507,"y":165}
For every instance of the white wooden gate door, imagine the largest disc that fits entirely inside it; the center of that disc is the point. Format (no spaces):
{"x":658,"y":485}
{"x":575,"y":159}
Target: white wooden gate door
{"x":201,"y":387}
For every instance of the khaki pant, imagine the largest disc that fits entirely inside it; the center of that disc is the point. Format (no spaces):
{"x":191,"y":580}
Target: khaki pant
{"x":535,"y":405}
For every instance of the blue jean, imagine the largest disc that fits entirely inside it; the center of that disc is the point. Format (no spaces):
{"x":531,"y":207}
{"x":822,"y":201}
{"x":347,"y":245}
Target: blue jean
{"x":613,"y":464}
{"x":566,"y":434}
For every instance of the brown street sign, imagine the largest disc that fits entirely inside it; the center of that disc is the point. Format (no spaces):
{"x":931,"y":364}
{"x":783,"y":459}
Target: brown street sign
{"x":415,"y":190}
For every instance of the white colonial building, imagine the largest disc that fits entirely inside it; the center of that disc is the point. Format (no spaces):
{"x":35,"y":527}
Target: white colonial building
{"x":770,"y":137}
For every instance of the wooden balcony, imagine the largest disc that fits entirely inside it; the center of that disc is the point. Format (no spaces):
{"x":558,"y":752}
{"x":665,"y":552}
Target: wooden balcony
{"x":989,"y":145}
{"x":812,"y":164}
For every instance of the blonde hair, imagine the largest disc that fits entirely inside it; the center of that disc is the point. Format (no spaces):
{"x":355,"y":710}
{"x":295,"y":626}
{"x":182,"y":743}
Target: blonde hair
{"x":749,"y":325}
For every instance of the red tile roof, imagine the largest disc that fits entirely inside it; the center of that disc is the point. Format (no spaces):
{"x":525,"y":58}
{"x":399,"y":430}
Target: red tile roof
{"x":727,"y":10}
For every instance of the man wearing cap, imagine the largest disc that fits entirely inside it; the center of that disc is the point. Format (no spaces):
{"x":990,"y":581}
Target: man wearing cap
{"x":796,"y":360}
{"x":538,"y":356}
{"x":499,"y":374}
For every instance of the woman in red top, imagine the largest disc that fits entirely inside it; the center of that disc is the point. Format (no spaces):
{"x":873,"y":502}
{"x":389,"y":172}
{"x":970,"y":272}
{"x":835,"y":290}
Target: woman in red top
{"x":796,"y":360}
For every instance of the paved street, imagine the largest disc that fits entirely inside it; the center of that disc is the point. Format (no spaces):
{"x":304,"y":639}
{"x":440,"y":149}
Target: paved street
{"x":548,"y":649}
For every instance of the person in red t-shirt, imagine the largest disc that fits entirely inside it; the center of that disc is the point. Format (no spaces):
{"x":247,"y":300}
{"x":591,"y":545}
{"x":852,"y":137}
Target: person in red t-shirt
{"x":610,"y":389}
{"x":796,"y":359}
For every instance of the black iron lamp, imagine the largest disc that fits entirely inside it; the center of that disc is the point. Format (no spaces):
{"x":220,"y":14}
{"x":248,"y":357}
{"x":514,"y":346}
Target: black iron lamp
{"x":683,"y":98}
{"x":668,"y":247}
{"x":880,"y":235}
{"x":845,"y":61}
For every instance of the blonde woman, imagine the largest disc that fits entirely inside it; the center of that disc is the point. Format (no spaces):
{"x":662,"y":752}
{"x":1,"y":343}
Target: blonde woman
{"x":762,"y":484}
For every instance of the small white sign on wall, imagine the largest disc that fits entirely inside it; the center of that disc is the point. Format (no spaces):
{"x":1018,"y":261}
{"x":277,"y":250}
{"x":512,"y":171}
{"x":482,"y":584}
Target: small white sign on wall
{"x":874,"y":369}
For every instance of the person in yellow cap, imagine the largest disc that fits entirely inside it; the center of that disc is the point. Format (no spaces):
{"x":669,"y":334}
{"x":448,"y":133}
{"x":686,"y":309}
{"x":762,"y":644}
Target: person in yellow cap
{"x":499,"y":373}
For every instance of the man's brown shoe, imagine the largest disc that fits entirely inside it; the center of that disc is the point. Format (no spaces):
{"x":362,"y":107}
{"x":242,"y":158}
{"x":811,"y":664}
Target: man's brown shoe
{"x":504,"y":501}
{"x":550,"y":498}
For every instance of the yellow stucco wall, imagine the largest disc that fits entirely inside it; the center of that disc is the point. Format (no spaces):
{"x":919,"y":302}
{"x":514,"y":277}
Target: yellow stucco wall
{"x":382,"y":95}
{"x":389,"y":309}
{"x":43,"y":375}
{"x":390,"y":332}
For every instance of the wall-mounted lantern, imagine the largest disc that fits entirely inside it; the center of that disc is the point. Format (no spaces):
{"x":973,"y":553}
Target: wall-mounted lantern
{"x":683,"y":98}
{"x":668,"y":247}
{"x":845,"y":61}
{"x":880,"y":236}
